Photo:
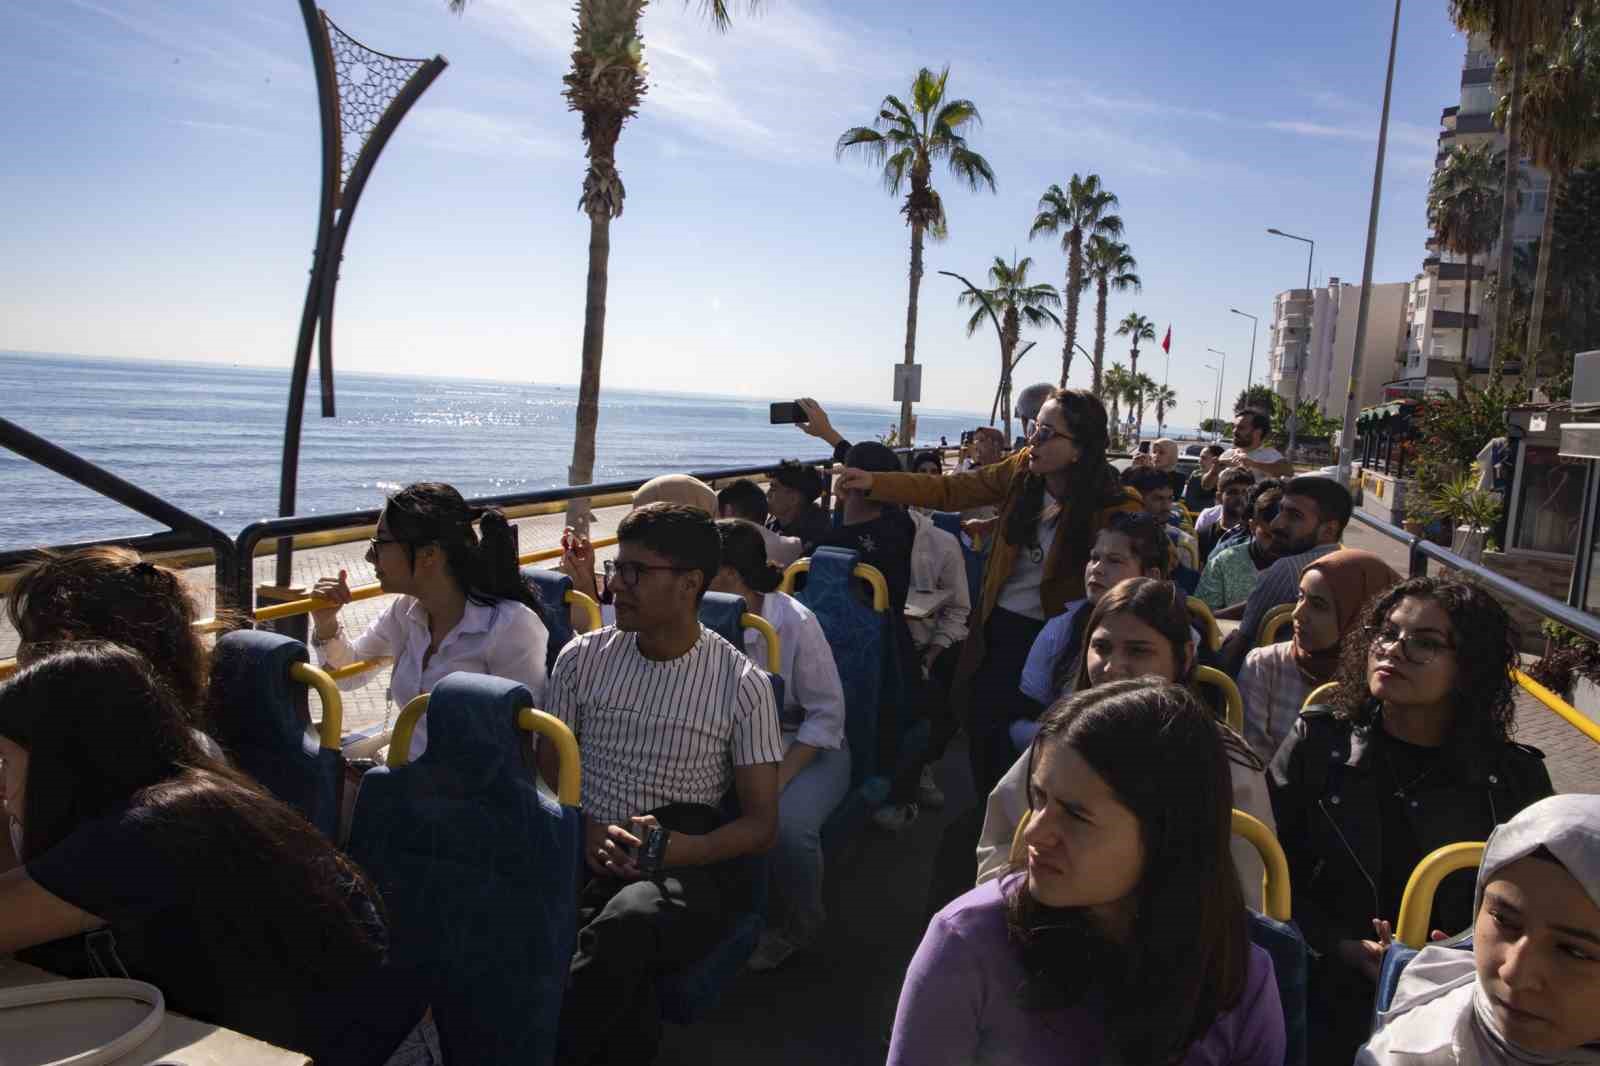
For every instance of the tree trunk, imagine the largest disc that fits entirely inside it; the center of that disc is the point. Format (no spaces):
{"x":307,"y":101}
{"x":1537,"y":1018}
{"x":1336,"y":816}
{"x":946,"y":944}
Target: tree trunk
{"x":581,"y":472}
{"x":1138,"y":429}
{"x":1007,"y":346}
{"x":911,"y":326}
{"x":1541,"y":281}
{"x":1099,"y":335}
{"x":1508,"y":204}
{"x":1074,"y":287}
{"x":1463,"y":366}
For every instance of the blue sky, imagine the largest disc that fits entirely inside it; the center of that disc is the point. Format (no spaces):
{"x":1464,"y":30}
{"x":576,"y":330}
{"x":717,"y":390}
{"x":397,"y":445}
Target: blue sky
{"x":160,"y":183}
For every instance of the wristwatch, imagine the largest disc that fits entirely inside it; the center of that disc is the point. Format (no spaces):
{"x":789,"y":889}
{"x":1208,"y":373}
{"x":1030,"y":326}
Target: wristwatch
{"x":653,"y":851}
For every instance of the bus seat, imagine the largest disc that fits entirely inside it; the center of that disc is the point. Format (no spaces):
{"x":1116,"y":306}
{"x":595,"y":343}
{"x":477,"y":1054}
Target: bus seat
{"x":477,"y":868}
{"x":950,"y":522}
{"x":551,"y":587}
{"x":1272,"y":623}
{"x":1200,"y":614}
{"x":1395,"y":961}
{"x":1205,"y":677}
{"x":1319,"y":694}
{"x":1416,"y":903}
{"x":264,"y":723}
{"x":720,"y":612}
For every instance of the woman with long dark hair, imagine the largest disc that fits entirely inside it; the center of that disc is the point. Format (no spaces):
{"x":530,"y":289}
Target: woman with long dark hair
{"x":1413,"y":751}
{"x":1123,"y":937}
{"x":1054,"y":496}
{"x":145,"y":857}
{"x":462,"y":602}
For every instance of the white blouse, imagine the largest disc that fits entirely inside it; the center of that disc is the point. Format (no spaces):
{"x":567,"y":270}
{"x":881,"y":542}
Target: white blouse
{"x":504,"y":639}
{"x":813,"y":697}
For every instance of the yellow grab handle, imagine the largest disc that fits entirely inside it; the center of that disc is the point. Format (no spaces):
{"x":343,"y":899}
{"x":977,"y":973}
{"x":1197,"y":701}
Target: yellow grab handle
{"x":590,"y":608}
{"x":569,"y":788}
{"x":1318,"y":694}
{"x":1271,"y":623}
{"x":1200,"y":611}
{"x":1275,"y":893}
{"x":870,"y":574}
{"x":1234,"y":703}
{"x":764,"y":627}
{"x":404,"y":726}
{"x":1416,"y":905}
{"x":328,"y":731}
{"x":360,"y":666}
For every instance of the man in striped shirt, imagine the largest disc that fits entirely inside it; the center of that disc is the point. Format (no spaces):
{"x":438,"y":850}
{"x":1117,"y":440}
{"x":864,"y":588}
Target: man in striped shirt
{"x":669,"y":717}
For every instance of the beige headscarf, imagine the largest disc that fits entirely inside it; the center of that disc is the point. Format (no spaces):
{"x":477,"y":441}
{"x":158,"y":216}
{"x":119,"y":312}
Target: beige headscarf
{"x":677,"y":488}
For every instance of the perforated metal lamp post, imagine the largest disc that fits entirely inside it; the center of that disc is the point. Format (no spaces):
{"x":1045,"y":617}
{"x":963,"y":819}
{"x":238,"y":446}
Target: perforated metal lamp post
{"x":1216,"y":406}
{"x":362,"y":95}
{"x":1221,"y":372}
{"x":1251,"y":373}
{"x":1300,"y":363}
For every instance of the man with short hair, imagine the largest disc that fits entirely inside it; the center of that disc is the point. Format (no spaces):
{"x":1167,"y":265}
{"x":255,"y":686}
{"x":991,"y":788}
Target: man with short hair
{"x":1311,"y":519}
{"x":744,"y":499}
{"x":988,"y":447}
{"x":1196,"y":496}
{"x":1250,"y":449}
{"x":1227,"y":514}
{"x":669,"y":718}
{"x":1155,"y":488}
{"x":792,"y":504}
{"x":1234,"y":566}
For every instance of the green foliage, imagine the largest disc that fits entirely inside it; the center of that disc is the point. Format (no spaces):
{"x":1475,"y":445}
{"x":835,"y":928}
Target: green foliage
{"x":1258,"y":398}
{"x":1451,"y":431}
{"x":1461,"y":503}
{"x":1215,"y":425}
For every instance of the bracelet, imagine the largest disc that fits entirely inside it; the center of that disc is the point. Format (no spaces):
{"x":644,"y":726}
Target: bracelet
{"x":317,"y":642}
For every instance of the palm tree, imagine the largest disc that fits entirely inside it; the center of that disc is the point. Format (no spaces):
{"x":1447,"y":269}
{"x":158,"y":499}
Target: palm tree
{"x":1561,"y":124}
{"x":1110,"y":266}
{"x":1165,"y":400}
{"x":1142,"y":389}
{"x":1514,"y":29}
{"x":1014,"y":302}
{"x":1136,"y":328}
{"x":1113,"y":390}
{"x":1080,"y":213}
{"x":906,"y":142}
{"x":1461,"y":205}
{"x":605,"y":85}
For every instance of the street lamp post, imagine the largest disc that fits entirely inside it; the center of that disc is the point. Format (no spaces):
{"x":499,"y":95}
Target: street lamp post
{"x":1305,"y":353}
{"x":1220,"y":374}
{"x":1216,"y":407}
{"x":1251,"y":373}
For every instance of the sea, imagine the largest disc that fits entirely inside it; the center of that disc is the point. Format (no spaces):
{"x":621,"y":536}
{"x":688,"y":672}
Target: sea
{"x":209,"y":439}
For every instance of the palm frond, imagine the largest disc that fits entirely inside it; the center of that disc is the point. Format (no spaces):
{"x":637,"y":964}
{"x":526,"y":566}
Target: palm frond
{"x":720,"y":12}
{"x":957,"y":113}
{"x":927,"y":90}
{"x":971,"y":168}
{"x":895,"y":169}
{"x":1039,"y":317}
{"x":867,"y":142}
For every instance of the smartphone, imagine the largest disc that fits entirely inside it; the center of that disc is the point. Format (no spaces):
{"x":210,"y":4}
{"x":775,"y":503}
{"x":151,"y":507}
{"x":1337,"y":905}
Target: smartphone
{"x":787,"y":413}
{"x":1144,"y":447}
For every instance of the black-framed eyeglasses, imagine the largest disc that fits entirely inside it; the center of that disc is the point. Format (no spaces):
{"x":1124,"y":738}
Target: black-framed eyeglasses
{"x":1418,"y":649}
{"x":1044,"y":434}
{"x":628,"y":573}
{"x":376,"y":543}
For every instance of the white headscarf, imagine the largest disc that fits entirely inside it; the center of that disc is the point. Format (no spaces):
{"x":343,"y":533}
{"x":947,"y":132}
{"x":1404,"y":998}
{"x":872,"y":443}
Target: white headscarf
{"x":1439,"y":1006}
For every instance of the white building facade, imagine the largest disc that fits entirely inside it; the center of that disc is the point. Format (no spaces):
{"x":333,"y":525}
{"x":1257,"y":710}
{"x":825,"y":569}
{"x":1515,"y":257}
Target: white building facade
{"x":1314,"y":333}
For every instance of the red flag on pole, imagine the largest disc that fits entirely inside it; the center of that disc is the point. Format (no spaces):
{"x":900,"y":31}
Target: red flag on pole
{"x":1166,"y":342}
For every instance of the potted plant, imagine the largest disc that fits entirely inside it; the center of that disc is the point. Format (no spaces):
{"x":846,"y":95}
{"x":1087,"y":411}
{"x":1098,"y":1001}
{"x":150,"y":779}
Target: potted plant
{"x":1570,"y":668}
{"x":1469,"y":512}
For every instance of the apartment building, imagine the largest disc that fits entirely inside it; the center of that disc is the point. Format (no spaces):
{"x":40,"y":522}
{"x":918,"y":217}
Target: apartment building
{"x":1313,"y":334}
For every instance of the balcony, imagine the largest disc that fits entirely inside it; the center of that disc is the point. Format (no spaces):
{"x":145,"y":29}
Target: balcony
{"x":1458,"y":271}
{"x":1477,"y":76}
{"x":1479,"y":123}
{"x":1453,"y":320}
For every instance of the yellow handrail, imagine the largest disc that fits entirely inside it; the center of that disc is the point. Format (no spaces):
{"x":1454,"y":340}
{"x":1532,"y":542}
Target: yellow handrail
{"x":328,"y":730}
{"x":1200,"y":611}
{"x":1570,"y":714}
{"x":1271,"y":622}
{"x":764,"y":627}
{"x":569,"y":788}
{"x":870,"y":574}
{"x":7,"y":668}
{"x":1233,"y":703}
{"x":404,"y":726}
{"x":1318,"y":694}
{"x":360,"y":666}
{"x":1275,"y":887}
{"x":1416,"y":905}
{"x":591,"y":609}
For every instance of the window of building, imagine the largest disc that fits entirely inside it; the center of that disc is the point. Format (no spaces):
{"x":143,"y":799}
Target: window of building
{"x":1551,"y":501}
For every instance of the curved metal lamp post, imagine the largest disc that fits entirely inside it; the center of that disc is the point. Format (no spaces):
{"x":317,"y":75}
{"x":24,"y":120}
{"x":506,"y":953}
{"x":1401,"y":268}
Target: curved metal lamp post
{"x":362,"y":95}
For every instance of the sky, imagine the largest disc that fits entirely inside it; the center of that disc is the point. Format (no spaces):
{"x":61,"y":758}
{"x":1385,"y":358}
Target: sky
{"x":160,"y":184}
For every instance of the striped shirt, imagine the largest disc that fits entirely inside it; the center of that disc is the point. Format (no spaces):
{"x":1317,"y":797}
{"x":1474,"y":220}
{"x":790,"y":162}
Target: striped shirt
{"x":654,"y":733}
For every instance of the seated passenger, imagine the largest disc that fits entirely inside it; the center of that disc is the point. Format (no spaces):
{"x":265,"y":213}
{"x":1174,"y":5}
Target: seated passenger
{"x":744,"y":499}
{"x":1528,"y":989}
{"x":929,"y":462}
{"x":1235,"y":564}
{"x":1156,"y":490}
{"x":670,"y":718}
{"x":815,"y":772}
{"x":462,"y":602}
{"x":1141,"y":628}
{"x":1412,"y":752}
{"x":1275,"y":681}
{"x":1228,"y":514}
{"x":1162,"y":456}
{"x":1196,"y":495}
{"x":792,"y":499}
{"x":181,"y":872}
{"x":1311,"y":519}
{"x":1122,"y":937}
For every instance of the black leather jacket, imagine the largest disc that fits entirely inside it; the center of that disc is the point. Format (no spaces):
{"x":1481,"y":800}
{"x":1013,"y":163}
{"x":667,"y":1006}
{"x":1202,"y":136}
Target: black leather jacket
{"x":1325,"y":783}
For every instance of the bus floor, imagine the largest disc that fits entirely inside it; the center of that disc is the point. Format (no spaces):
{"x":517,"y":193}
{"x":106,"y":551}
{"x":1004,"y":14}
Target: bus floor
{"x":834,"y":1002}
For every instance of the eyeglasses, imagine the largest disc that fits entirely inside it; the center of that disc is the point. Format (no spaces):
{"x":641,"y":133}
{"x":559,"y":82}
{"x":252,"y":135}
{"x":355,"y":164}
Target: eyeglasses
{"x":628,"y":573}
{"x":376,"y":543}
{"x":1416,"y":649}
{"x":1043,"y":434}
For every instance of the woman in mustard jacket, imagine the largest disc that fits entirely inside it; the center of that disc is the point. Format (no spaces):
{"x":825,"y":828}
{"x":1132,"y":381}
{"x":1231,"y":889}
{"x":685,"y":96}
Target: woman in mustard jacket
{"x":1054,"y":496}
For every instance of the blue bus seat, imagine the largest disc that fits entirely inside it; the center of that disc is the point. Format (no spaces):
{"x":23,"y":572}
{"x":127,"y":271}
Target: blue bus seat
{"x":476,"y":868}
{"x":551,"y":587}
{"x":1395,"y":961}
{"x":264,"y":724}
{"x":1291,"y":970}
{"x":950,"y":522}
{"x":720,"y":612}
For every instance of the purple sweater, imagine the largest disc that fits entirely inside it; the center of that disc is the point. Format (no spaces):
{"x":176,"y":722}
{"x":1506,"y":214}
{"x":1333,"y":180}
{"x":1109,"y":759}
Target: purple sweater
{"x":958,"y":1004}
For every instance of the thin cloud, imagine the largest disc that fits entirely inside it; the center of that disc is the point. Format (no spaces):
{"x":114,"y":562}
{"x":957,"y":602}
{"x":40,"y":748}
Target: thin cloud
{"x":454,"y":129}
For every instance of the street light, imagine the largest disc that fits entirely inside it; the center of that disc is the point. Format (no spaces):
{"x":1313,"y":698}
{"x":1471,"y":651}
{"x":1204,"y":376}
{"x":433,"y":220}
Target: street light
{"x":1217,"y":351}
{"x":1216,"y":408}
{"x":1251,"y":373}
{"x":1305,"y":353}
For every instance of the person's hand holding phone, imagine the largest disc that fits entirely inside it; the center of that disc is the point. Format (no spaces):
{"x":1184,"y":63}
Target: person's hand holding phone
{"x":816,"y":423}
{"x":335,"y":590}
{"x":577,"y":561}
{"x":615,"y":853}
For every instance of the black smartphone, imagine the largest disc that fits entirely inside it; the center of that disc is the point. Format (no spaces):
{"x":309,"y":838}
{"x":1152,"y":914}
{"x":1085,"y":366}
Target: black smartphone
{"x":1144,"y":447}
{"x":787,"y":413}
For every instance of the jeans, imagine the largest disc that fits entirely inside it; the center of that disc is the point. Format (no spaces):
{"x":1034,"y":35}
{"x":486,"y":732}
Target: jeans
{"x":934,"y":695}
{"x":797,"y":857}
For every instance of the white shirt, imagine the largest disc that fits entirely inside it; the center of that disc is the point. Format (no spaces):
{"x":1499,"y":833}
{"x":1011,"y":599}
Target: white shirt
{"x":813,"y":698}
{"x":1263,"y":454}
{"x":504,"y":639}
{"x":781,"y":550}
{"x":654,"y":733}
{"x":1020,"y":593}
{"x":937,"y":566}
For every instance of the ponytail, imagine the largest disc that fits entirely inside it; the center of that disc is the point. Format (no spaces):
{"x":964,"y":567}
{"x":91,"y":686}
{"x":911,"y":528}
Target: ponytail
{"x":744,"y":550}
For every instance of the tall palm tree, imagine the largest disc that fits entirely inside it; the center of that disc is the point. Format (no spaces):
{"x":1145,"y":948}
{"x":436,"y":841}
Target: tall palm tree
{"x":1165,"y":400}
{"x":1113,"y":390}
{"x":1014,"y":301}
{"x":1136,"y":328}
{"x":1561,"y":127}
{"x":1143,"y":388}
{"x":1461,"y":206}
{"x":1081,"y":212}
{"x":1514,"y":28}
{"x":1109,"y":265}
{"x":605,"y":85}
{"x":906,"y":142}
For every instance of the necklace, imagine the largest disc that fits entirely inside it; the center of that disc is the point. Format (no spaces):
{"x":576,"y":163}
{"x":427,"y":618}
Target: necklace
{"x":1403,"y":791}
